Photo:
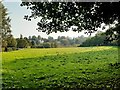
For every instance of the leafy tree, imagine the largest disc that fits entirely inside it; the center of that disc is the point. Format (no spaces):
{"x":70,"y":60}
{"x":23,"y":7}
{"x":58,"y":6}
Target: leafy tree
{"x":52,"y":45}
{"x":39,"y":37}
{"x":45,"y":40}
{"x":4,"y":43}
{"x":5,"y":27}
{"x":5,"y":24}
{"x":29,"y":43}
{"x":37,"y":42}
{"x":47,"y":45}
{"x":34,"y":37}
{"x":77,"y":40}
{"x":113,"y":34}
{"x":99,"y":39}
{"x":50,"y":39}
{"x":55,"y":44}
{"x":33,"y":43}
{"x":29,"y":37}
{"x":65,"y":42}
{"x":21,"y":36}
{"x":60,"y":16}
{"x":22,"y":43}
{"x":11,"y":41}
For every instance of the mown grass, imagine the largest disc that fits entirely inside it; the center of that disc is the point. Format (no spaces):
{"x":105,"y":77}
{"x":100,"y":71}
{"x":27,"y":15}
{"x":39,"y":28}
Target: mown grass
{"x":61,"y":68}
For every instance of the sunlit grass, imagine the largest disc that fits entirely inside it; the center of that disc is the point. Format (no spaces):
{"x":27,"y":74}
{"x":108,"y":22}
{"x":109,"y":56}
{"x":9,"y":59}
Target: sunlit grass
{"x":30,"y":53}
{"x":88,"y":67}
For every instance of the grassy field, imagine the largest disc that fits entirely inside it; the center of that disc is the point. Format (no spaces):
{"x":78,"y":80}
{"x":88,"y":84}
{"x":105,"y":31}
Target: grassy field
{"x":61,"y":68}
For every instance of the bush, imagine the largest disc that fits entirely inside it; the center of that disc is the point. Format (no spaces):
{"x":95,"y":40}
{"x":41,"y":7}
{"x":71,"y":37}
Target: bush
{"x":41,"y":46}
{"x":22,"y":43}
{"x":13,"y":48}
{"x":33,"y":46}
{"x":9,"y":49}
{"x":46,"y":45}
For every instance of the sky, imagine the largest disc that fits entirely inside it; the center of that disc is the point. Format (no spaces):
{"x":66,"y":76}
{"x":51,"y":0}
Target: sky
{"x":28,"y":28}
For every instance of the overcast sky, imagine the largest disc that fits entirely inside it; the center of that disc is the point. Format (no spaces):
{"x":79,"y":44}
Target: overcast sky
{"x":28,"y":28}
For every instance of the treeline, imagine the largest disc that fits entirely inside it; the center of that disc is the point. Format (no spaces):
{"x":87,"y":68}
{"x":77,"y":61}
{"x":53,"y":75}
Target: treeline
{"x":11,"y":43}
{"x":100,"y":39}
{"x":50,"y":42}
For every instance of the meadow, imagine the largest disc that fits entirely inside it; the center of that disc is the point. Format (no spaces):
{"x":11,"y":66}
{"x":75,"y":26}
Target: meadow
{"x":61,"y":68}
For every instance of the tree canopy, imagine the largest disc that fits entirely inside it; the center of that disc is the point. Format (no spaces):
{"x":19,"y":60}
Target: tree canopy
{"x":5,"y":28}
{"x":60,"y":16}
{"x":99,"y":40}
{"x":5,"y":22}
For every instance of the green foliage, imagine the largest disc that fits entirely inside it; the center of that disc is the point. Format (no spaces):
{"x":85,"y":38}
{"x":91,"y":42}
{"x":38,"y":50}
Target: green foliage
{"x":46,"y":45}
{"x":62,"y":15}
{"x":113,"y":34}
{"x":7,"y":39}
{"x":65,"y":42}
{"x":5,"y":22}
{"x":11,"y":41}
{"x":61,"y":68}
{"x":4,"y":43}
{"x":22,"y":43}
{"x":55,"y":45}
{"x":100,"y":39}
{"x":33,"y":43}
{"x":29,"y":43}
{"x":50,"y":39}
{"x":5,"y":27}
{"x":61,"y":41}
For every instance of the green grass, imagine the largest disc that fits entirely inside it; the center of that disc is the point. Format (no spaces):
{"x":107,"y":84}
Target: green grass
{"x":61,"y":68}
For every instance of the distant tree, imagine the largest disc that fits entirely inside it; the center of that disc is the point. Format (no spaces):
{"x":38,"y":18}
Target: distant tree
{"x":71,"y":41}
{"x":46,"y":45}
{"x":50,"y":39}
{"x":37,"y":42}
{"x":39,"y":37}
{"x":58,"y":38}
{"x":11,"y":41}
{"x":82,"y":39}
{"x":65,"y":42}
{"x":52,"y":44}
{"x":34,"y":37}
{"x":33,"y":43}
{"x":55,"y":44}
{"x":98,"y":40}
{"x":21,"y":36}
{"x":25,"y":38}
{"x":22,"y":43}
{"x":68,"y":41}
{"x":62,"y":37}
{"x":45,"y":40}
{"x":29,"y":37}
{"x":77,"y":40}
{"x":29,"y":43}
